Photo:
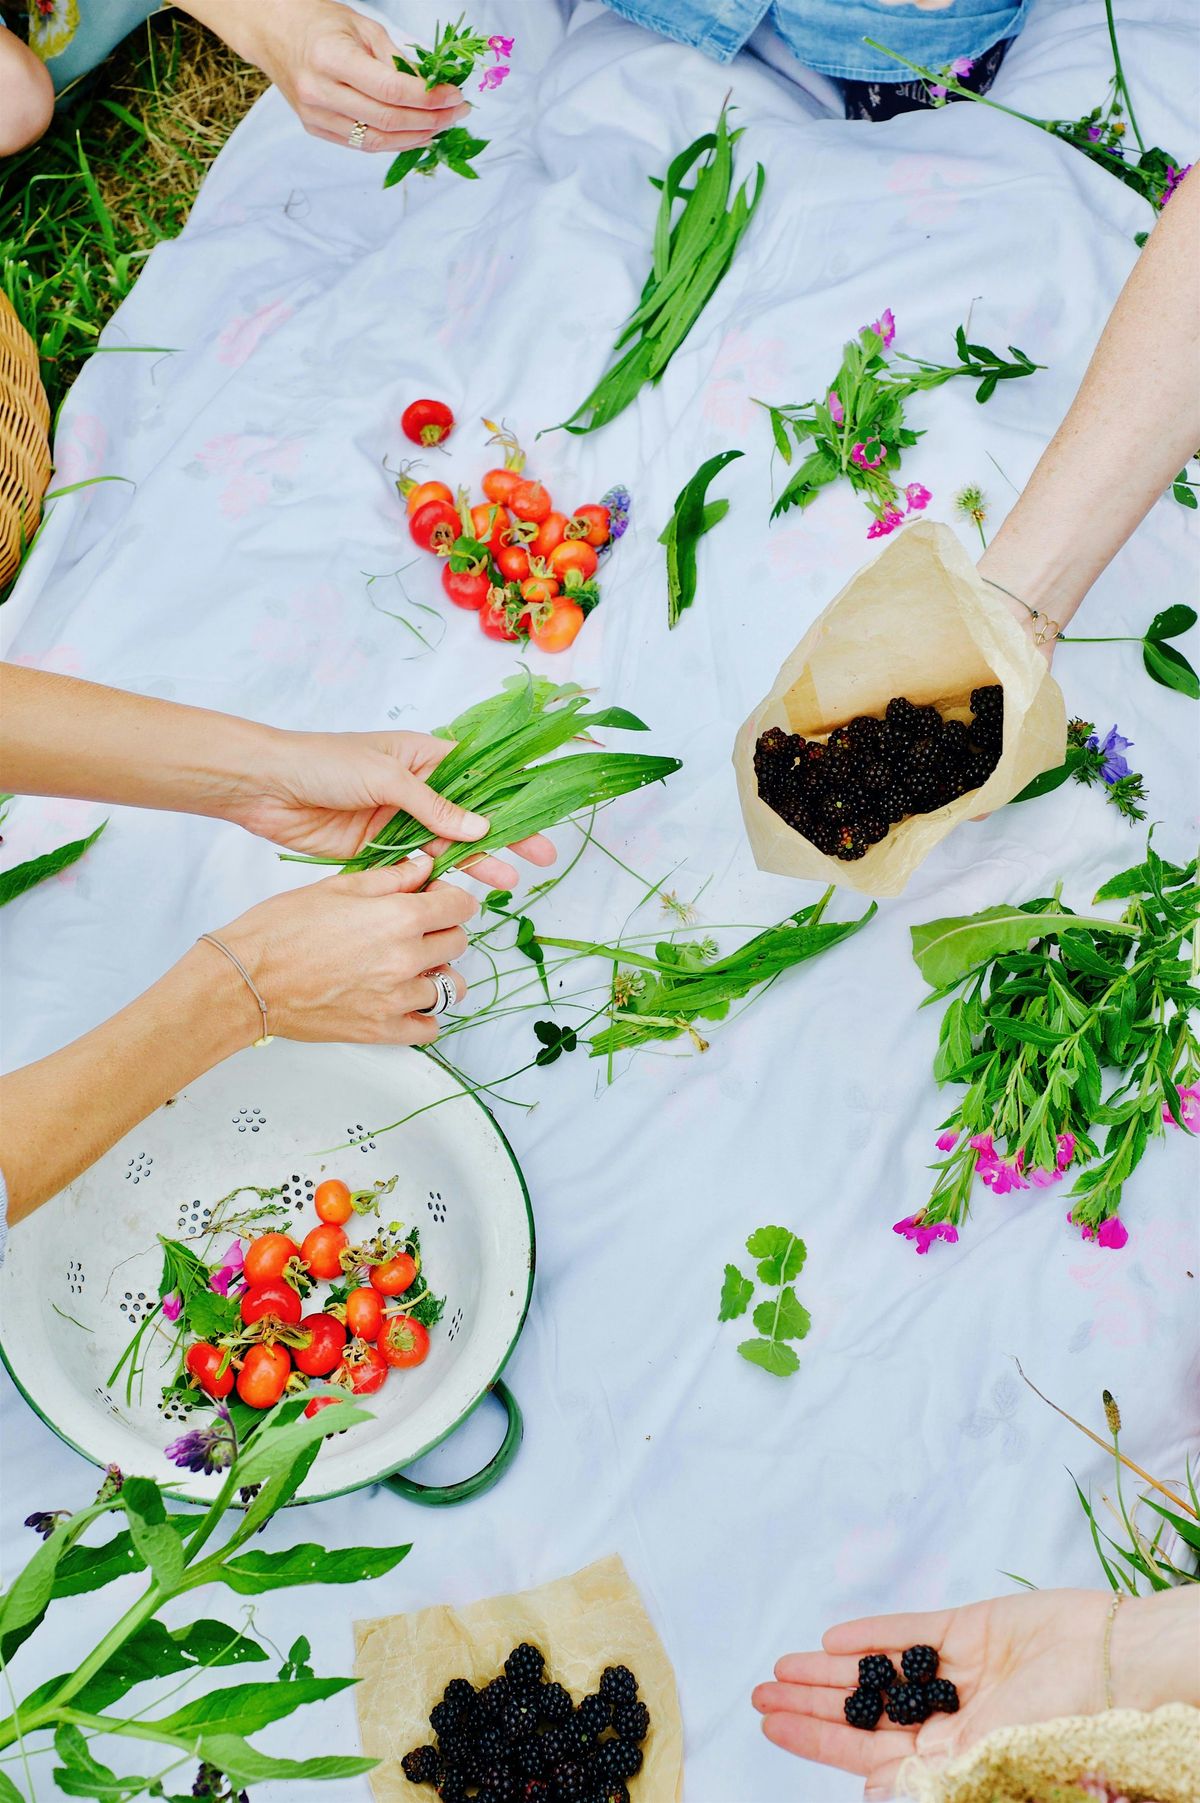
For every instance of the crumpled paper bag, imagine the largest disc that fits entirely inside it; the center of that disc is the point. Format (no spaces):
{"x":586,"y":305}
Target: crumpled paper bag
{"x":915,"y":621}
{"x":582,"y":1623}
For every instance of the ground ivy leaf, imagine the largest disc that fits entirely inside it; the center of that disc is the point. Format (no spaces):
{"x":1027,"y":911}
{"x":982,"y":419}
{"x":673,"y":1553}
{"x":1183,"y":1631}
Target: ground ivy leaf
{"x":772,"y":1355}
{"x":793,"y":1320}
{"x":736,"y":1292}
{"x":780,"y":1252}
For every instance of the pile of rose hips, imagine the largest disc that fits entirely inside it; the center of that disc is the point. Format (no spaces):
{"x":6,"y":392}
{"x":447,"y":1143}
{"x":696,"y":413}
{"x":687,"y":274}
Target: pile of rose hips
{"x":354,"y":1341}
{"x":525,"y":568}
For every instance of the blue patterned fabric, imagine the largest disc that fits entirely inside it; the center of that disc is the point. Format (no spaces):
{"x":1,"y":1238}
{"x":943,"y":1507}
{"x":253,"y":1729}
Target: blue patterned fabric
{"x":827,"y":35}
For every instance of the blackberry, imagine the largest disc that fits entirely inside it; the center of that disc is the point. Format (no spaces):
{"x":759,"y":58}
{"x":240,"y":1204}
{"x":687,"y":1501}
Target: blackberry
{"x":903,"y":719}
{"x":501,"y":1785}
{"x":922,"y":756}
{"x":772,"y":743}
{"x":850,"y":845}
{"x":908,"y":1705}
{"x":844,"y":803}
{"x":617,"y":1759}
{"x":877,"y":1670}
{"x":941,"y":1695}
{"x":872,"y":830}
{"x":580,"y":1739}
{"x":988,"y":702}
{"x":557,"y":1746}
{"x":421,"y":1766}
{"x":612,"y":1791}
{"x":873,"y":774}
{"x":520,"y":1716}
{"x":891,"y":804}
{"x":537,"y":1791}
{"x":452,"y":1788}
{"x":528,"y":1758}
{"x":572,"y":1784}
{"x":595,"y":1713}
{"x":618,"y":1684}
{"x":840,"y":740}
{"x":919,"y":1664}
{"x":927,"y":721}
{"x":631,"y":1721}
{"x":492,"y":1698}
{"x":454,"y":1746}
{"x":866,"y":733}
{"x":489,"y":1743}
{"x":864,"y":1708}
{"x":443,"y":1719}
{"x":459,"y":1695}
{"x":954,"y":741}
{"x":523,"y":1666}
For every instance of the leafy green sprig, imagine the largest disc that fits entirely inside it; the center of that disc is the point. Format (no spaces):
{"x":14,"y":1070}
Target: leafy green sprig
{"x":451,"y":61}
{"x":177,"y":1552}
{"x":1085,"y":763}
{"x":693,"y":250}
{"x":694,"y":515}
{"x":1041,"y":1003}
{"x":780,"y":1318}
{"x":858,"y":430}
{"x":20,"y":877}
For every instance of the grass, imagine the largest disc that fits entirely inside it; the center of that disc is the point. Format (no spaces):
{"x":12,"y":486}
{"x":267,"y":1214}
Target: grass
{"x":115,"y":175}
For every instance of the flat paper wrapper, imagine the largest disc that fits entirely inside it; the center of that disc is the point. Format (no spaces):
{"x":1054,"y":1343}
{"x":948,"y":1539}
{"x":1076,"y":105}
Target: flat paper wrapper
{"x":915,"y":621}
{"x":581,"y":1623}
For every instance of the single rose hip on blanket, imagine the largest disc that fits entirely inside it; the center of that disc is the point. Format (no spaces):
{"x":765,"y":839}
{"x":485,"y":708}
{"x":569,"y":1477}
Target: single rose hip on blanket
{"x":427,"y":422}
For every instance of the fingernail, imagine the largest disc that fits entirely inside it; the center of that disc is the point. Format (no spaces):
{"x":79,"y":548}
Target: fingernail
{"x":419,"y":858}
{"x":474,"y":824}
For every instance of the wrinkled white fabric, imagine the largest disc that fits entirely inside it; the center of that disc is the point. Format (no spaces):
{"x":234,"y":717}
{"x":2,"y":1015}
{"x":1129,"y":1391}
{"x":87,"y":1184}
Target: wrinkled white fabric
{"x":301,"y":309}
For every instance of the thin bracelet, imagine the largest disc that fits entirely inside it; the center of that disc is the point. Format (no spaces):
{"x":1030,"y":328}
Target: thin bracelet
{"x":1049,"y":629}
{"x":1118,"y":1599}
{"x":265,"y":1037}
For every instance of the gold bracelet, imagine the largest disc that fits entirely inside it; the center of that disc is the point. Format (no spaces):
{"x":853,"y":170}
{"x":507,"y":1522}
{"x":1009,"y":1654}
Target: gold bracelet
{"x":1111,"y":1617}
{"x":265,"y":1038}
{"x":1048,"y":629}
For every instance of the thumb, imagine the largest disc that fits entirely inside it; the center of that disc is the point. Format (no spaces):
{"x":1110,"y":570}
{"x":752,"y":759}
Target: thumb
{"x":405,"y":878}
{"x":445,"y":819}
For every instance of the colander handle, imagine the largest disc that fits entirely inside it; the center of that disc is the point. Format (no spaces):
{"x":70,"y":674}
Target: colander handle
{"x":436,"y":1496}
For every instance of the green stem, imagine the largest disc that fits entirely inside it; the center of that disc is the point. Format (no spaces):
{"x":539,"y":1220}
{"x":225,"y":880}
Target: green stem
{"x":52,"y":1710}
{"x":948,"y":81}
{"x":1120,"y":74}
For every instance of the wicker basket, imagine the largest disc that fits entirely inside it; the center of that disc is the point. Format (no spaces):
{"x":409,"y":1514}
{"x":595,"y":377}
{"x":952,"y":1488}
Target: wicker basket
{"x":24,"y":443}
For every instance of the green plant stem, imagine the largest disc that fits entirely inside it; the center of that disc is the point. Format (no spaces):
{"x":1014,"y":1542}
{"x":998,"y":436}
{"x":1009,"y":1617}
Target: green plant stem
{"x":948,"y":81}
{"x":1106,"y":1446}
{"x":1122,"y":84}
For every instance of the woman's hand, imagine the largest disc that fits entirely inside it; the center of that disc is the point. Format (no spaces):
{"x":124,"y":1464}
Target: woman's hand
{"x":335,"y":70}
{"x":327,"y":793}
{"x":348,"y":959}
{"x":1015,"y":1659}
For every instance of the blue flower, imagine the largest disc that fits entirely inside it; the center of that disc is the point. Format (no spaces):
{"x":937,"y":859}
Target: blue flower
{"x":206,"y":1449}
{"x":1114,"y":766}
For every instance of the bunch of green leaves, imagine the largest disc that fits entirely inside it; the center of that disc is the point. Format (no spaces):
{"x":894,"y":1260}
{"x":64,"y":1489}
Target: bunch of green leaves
{"x":501,"y":766}
{"x":1164,"y":663}
{"x":1184,"y":487}
{"x":1141,"y":1557}
{"x":177,"y":1552}
{"x":1085,"y":762}
{"x":867,"y":396}
{"x":1099,"y":134}
{"x":1040,"y":1004}
{"x":694,"y":515}
{"x":693,"y":249}
{"x":778,"y":1319}
{"x":20,"y":877}
{"x":664,"y":995}
{"x":451,"y":61}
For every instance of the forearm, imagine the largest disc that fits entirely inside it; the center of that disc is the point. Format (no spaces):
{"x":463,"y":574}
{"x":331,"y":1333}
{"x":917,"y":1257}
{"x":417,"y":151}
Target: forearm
{"x":59,"y":1115}
{"x":1155,"y":1651}
{"x":59,"y":736}
{"x":1132,"y":426}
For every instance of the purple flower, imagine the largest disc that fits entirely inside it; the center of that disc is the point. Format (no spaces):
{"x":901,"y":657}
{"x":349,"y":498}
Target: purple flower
{"x":837,"y":412}
{"x":172,"y":1306}
{"x":501,"y":47}
{"x":915,"y":1230}
{"x":44,"y":1521}
{"x":937,"y":92}
{"x":491,"y":78}
{"x":1189,"y":1108}
{"x":884,"y":326}
{"x":918,"y":497}
{"x":229,"y":1271}
{"x":1112,"y":745}
{"x":1174,"y":177}
{"x":206,"y":1449}
{"x":946,"y":1142}
{"x":999,"y":1174}
{"x":860,"y":454}
{"x":961,"y":67}
{"x":1112,"y":1233}
{"x":619,"y":502}
{"x":1095,"y":132}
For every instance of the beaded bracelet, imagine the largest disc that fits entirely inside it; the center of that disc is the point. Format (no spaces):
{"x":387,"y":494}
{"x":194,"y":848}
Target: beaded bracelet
{"x":265,"y":1037}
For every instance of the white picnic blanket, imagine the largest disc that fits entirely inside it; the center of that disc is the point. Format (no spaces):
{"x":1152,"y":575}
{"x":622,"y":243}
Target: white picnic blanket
{"x":300,"y":310}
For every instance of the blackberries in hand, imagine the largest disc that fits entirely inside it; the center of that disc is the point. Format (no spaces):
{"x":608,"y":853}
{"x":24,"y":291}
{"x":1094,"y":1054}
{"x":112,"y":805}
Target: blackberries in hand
{"x":877,"y":1669}
{"x":919,"y":1664}
{"x":863,"y":1707}
{"x":942,"y":1696}
{"x":908,"y":1705}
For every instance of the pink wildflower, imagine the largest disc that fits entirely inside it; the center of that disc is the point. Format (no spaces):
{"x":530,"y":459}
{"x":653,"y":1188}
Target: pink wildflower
{"x":1003,"y":1174}
{"x":1189,"y":1108}
{"x":837,"y":412}
{"x":1066,"y":1151}
{"x":885,"y":326}
{"x":172,"y":1306}
{"x":501,"y":47}
{"x":859,"y":454}
{"x":1041,"y":1178}
{"x":1174,"y":177}
{"x":923,"y":1236}
{"x":1112,"y":1234}
{"x":917,"y":497}
{"x":937,"y":92}
{"x":946,"y":1142}
{"x":881,"y":527}
{"x":961,"y":67}
{"x":491,"y":78}
{"x":230,"y":1270}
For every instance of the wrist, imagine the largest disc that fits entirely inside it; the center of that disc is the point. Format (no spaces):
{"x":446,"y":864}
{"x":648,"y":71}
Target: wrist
{"x":212,"y":1003}
{"x":1153,"y":1650}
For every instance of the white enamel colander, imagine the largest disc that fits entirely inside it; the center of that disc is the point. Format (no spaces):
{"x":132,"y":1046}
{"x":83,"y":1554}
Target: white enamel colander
{"x":83,"y":1271}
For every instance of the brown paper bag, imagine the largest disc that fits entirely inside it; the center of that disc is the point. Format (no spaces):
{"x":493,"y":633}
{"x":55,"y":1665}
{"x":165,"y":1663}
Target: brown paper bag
{"x":915,"y":621}
{"x":582,"y":1623}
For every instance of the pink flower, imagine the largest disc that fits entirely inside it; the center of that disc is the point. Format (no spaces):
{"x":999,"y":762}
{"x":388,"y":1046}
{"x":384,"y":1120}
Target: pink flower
{"x":1041,"y":1178}
{"x":172,"y":1306}
{"x":1066,"y":1151}
{"x":961,"y":67}
{"x":1189,"y":1108}
{"x":946,"y":1142}
{"x":491,"y":78}
{"x":884,"y":326}
{"x":918,"y":497}
{"x":1112,"y":1235}
{"x":912,"y":1229}
{"x":999,"y":1174}
{"x":502,"y":47}
{"x":229,"y":1271}
{"x":837,"y":412}
{"x":859,"y":454}
{"x":984,"y":1145}
{"x":937,"y":92}
{"x":1174,"y":177}
{"x":881,"y":527}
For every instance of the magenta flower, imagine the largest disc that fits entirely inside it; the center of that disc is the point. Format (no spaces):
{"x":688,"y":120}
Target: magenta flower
{"x":172,"y":1306}
{"x":885,"y":326}
{"x":923,"y":1236}
{"x":1066,"y":1151}
{"x":1003,"y":1174}
{"x":918,"y":497}
{"x":1041,"y":1178}
{"x":1174,"y":177}
{"x":859,"y":454}
{"x":937,"y":92}
{"x":1095,"y":133}
{"x":881,"y":527}
{"x":1189,"y":1108}
{"x":837,"y":412}
{"x":1112,"y":1234}
{"x":229,"y":1271}
{"x":946,"y":1142}
{"x":961,"y":67}
{"x":491,"y":78}
{"x":501,"y":47}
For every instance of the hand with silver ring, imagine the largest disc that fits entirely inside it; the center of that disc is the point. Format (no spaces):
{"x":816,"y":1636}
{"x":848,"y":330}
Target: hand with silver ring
{"x":444,"y":992}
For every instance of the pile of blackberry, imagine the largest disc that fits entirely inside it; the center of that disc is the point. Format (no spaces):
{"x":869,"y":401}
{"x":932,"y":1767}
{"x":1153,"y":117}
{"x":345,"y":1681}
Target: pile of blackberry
{"x":521,"y":1738}
{"x":845,"y":794}
{"x":908,"y":1700}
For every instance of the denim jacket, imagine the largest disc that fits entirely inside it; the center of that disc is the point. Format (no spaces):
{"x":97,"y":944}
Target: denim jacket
{"x":827,"y":35}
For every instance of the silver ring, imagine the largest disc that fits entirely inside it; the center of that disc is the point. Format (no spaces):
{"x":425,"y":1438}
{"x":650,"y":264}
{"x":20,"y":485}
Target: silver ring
{"x":356,"y":137}
{"x":446,"y":992}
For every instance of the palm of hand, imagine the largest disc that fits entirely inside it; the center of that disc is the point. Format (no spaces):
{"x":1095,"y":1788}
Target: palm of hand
{"x":1014,"y":1659}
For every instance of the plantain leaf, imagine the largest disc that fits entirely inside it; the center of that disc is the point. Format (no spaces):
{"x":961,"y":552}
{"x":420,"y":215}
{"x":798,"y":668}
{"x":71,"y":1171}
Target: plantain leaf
{"x":946,"y":949}
{"x":689,"y":522}
{"x":21,"y":877}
